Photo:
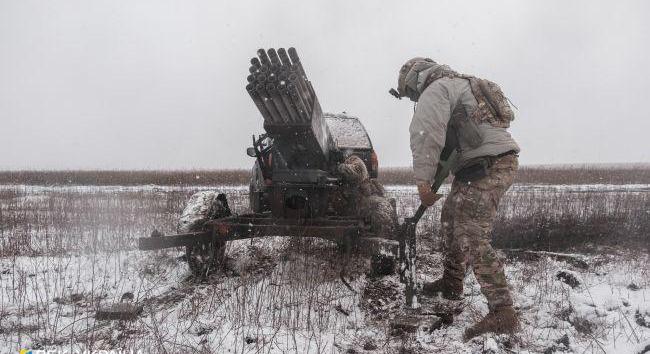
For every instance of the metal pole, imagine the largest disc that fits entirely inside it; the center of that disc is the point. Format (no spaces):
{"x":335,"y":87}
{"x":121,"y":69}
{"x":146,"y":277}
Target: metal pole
{"x":302,"y":91}
{"x":300,"y":105}
{"x":258,"y":102}
{"x":277,"y":101}
{"x":275,"y":60}
{"x":263,"y":57}
{"x":274,"y":70}
{"x":286,"y":99}
{"x":266,"y":100}
{"x":255,"y":62}
{"x":284,"y":57}
{"x":296,"y":60}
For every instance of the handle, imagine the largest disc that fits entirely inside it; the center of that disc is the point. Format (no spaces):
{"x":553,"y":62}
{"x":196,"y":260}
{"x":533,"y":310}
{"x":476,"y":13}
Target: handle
{"x":422,"y":208}
{"x":418,"y":214}
{"x":408,"y":249}
{"x":444,"y":167}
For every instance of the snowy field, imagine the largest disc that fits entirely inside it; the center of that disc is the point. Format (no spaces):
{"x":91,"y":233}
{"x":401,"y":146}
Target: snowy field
{"x":67,"y":251}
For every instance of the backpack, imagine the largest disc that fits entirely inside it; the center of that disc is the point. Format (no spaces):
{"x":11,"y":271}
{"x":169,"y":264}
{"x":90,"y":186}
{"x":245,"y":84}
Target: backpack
{"x":493,"y":106}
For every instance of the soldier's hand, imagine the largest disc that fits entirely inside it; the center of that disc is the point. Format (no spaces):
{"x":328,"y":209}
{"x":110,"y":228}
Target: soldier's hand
{"x":427,"y":196}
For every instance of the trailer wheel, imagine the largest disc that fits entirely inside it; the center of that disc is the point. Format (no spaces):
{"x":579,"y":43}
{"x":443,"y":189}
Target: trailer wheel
{"x":203,"y":206}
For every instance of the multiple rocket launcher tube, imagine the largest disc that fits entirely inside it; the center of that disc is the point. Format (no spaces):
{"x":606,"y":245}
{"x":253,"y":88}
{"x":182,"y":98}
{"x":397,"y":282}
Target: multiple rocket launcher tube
{"x":279,"y":87}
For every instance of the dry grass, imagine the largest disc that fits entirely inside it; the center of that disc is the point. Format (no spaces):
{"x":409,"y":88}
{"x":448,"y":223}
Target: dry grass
{"x":126,"y":178}
{"x":51,"y":220}
{"x":556,"y":219}
{"x":585,"y":174}
{"x":279,"y":296}
{"x":66,"y":251}
{"x":79,"y":219}
{"x":559,"y":221}
{"x":569,"y":174}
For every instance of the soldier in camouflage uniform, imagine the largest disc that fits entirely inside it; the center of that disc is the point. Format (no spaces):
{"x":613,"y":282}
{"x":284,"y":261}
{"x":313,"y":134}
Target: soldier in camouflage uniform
{"x":364,"y":197}
{"x":469,"y":115}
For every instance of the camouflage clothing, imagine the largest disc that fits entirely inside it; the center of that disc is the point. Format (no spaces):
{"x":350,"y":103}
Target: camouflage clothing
{"x":357,"y":180}
{"x":364,"y":197}
{"x":492,"y":105}
{"x":453,"y":111}
{"x":381,"y":214}
{"x":467,"y":218}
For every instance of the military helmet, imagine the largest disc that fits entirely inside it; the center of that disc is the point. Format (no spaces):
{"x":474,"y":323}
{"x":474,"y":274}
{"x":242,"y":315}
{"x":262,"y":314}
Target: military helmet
{"x":354,"y":169}
{"x":408,"y":77}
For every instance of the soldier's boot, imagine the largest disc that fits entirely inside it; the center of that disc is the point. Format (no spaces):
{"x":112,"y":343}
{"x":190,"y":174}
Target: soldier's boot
{"x":450,"y":289}
{"x":499,"y":321}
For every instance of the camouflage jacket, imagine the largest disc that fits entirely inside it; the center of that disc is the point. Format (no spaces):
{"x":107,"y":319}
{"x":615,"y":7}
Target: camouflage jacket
{"x":356,"y":186}
{"x":438,"y":100}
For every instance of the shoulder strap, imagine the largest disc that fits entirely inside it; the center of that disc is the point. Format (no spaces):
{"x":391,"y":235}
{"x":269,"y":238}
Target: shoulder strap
{"x":443,"y":71}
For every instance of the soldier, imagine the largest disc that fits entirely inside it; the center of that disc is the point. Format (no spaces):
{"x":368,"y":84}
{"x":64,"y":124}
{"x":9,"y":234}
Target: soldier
{"x":469,"y":115}
{"x":364,"y":197}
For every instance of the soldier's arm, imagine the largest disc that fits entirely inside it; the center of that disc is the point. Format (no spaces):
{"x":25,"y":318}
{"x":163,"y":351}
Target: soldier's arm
{"x":428,"y":131}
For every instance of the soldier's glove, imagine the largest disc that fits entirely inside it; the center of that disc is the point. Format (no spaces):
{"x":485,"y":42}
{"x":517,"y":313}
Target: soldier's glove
{"x":427,"y":196}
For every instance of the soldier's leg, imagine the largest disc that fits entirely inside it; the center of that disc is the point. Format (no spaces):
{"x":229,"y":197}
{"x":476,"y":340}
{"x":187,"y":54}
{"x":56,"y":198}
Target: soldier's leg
{"x":455,"y":251}
{"x":455,"y":247}
{"x":488,"y":268}
{"x":482,"y":201}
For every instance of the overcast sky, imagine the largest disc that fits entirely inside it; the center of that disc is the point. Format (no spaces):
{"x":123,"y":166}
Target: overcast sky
{"x":160,"y":84}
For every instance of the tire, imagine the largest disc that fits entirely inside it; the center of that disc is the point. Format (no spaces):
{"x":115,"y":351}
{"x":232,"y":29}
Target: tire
{"x":203,"y":206}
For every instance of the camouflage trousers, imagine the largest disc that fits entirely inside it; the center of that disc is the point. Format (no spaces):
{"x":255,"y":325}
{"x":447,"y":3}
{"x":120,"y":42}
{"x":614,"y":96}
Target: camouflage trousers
{"x":381,"y":214}
{"x":467,"y":218}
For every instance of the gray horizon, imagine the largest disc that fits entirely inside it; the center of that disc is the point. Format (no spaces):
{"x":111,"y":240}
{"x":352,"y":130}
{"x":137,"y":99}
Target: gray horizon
{"x":160,"y":84}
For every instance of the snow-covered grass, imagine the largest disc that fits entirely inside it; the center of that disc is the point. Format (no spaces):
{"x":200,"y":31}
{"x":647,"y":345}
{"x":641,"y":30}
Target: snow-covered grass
{"x":598,"y":315}
{"x":66,"y":253}
{"x":287,"y":301}
{"x":280,"y":300}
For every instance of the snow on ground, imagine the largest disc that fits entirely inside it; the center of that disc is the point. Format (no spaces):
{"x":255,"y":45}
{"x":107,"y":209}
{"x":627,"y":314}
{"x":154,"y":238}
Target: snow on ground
{"x":283,"y":295}
{"x":599,"y":314}
{"x":298,"y":302}
{"x":49,"y":302}
{"x":36,"y":189}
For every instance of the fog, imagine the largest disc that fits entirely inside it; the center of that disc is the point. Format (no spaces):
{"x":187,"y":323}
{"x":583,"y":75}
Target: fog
{"x":160,"y":84}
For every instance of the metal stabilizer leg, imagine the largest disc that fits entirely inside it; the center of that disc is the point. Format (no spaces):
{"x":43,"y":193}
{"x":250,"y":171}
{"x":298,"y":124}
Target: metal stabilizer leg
{"x":408,"y":255}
